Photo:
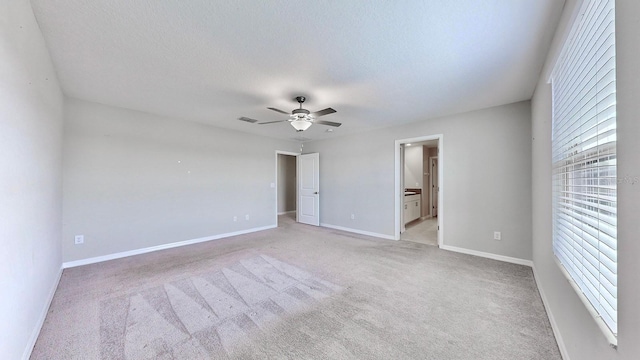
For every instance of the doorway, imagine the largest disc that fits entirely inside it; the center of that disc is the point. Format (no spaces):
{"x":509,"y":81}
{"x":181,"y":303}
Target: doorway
{"x":419,"y":163}
{"x":286,"y":187}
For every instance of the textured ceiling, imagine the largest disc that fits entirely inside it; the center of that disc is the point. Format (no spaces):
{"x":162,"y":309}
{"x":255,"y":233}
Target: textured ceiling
{"x":378,"y":63}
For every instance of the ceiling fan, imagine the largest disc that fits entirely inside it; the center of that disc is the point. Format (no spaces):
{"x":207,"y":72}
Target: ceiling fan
{"x":301,"y":119}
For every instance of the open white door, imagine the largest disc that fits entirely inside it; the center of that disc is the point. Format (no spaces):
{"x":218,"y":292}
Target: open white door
{"x":435,"y":188}
{"x":402,"y":188}
{"x":308,"y":189}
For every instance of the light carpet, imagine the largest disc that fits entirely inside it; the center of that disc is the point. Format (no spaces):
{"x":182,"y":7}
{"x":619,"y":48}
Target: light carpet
{"x":298,"y":292}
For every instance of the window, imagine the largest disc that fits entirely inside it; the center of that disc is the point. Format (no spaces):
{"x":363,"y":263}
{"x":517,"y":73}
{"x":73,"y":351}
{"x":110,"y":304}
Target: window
{"x":584,"y":158}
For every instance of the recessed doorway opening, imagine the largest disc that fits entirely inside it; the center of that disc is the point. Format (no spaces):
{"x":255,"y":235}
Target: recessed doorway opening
{"x":286,"y":187}
{"x":418,"y":215}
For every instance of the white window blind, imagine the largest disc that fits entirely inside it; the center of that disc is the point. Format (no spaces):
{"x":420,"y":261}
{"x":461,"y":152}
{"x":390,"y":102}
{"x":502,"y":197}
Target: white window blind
{"x":584,"y":158}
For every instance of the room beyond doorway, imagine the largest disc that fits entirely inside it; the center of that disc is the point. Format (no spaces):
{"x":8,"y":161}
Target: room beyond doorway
{"x":286,"y":184}
{"x":420,"y":192}
{"x":418,"y":205}
{"x":423,"y":231}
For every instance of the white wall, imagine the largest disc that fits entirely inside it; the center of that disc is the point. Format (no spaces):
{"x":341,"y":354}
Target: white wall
{"x":134,"y":180}
{"x":578,"y":332}
{"x":31,"y":180}
{"x":286,"y":183}
{"x":480,"y":194}
{"x":413,"y":167}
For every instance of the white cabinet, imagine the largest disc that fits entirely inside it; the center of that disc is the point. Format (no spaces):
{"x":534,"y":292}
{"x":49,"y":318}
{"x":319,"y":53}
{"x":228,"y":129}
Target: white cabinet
{"x":412,"y":206}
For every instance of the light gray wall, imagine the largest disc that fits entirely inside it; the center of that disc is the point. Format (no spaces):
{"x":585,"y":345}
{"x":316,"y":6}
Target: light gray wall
{"x":413,"y":167}
{"x":286,"y":183}
{"x":31,"y":181}
{"x":481,"y":194}
{"x":581,"y":336}
{"x":628,"y":88}
{"x":134,"y":180}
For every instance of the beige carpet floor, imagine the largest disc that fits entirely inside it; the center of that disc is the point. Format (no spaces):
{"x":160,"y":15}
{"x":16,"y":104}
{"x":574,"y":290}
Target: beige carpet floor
{"x":424,"y":231}
{"x":298,"y":292}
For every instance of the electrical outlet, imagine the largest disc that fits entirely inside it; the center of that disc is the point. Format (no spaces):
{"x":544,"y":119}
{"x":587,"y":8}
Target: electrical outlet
{"x":353,"y":216}
{"x":235,"y":218}
{"x":497,"y":235}
{"x":79,"y":239}
{"x":246,"y":217}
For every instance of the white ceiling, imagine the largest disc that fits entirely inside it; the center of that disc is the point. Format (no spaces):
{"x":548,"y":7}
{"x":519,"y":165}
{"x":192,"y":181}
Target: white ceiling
{"x":378,"y":63}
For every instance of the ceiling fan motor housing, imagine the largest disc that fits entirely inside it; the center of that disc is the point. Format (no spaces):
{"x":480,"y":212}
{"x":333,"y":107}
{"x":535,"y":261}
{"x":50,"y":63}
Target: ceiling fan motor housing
{"x":300,"y":112}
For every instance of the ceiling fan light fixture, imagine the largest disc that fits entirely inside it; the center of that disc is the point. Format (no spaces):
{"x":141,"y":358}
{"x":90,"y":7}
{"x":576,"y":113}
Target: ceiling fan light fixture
{"x":301,"y":124}
{"x":301,"y":119}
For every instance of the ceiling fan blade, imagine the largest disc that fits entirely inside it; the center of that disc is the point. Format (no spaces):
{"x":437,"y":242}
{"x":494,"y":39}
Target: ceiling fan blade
{"x":249,"y":120}
{"x":272,"y":122}
{"x":278,"y":110}
{"x":330,"y":123}
{"x":326,"y":111}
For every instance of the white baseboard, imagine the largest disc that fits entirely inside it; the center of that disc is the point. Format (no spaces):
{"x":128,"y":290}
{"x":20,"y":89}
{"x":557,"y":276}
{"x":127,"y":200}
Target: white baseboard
{"x":43,"y":315}
{"x":97,"y":259}
{"x":286,"y":212}
{"x":361,"y":232}
{"x":554,"y":326}
{"x":488,"y":255}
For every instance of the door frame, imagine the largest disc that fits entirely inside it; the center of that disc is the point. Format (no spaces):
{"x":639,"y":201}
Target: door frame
{"x":282,"y":152}
{"x":431,"y":158}
{"x":399,"y":186}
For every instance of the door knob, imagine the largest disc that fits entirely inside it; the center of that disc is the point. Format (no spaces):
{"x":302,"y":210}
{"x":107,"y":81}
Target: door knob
{"x":316,"y":192}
